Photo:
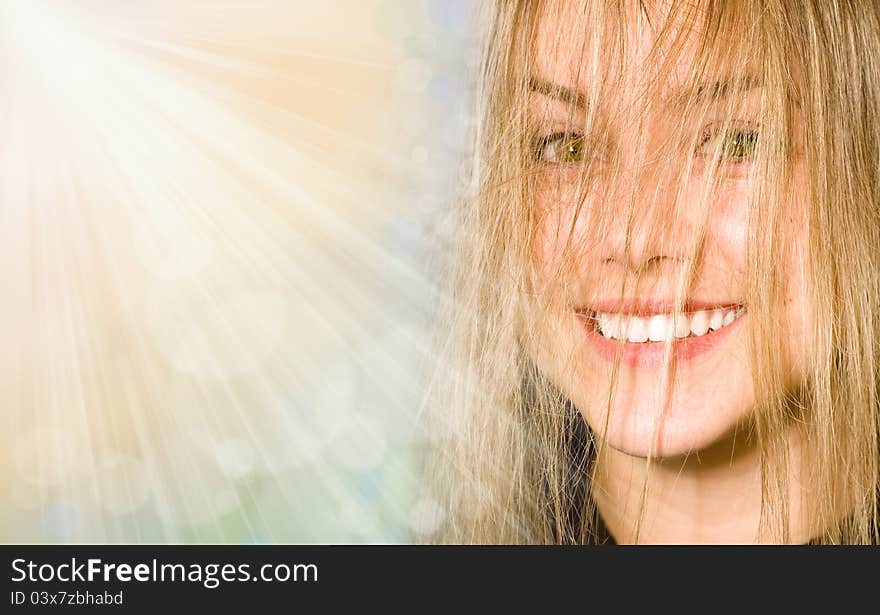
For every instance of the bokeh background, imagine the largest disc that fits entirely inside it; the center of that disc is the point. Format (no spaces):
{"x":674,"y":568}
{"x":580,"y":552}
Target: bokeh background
{"x":220,"y":227}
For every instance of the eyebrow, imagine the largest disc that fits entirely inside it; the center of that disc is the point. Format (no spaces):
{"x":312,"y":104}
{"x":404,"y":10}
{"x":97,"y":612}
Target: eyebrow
{"x":720,"y":89}
{"x":558,"y":92}
{"x":709,"y":91}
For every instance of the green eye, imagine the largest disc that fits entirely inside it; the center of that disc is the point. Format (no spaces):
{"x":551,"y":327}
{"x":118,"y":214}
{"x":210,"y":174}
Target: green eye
{"x":740,"y":144}
{"x":734,"y":145}
{"x":562,"y":147}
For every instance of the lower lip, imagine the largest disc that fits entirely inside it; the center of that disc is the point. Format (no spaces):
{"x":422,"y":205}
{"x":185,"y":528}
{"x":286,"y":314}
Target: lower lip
{"x":653,"y":354}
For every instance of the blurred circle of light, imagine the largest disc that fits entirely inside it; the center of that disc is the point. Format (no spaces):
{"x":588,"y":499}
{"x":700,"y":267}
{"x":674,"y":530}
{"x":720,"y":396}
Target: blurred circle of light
{"x":290,"y":447}
{"x":235,"y":457}
{"x":45,"y":457}
{"x":124,"y":483}
{"x":198,"y":497}
{"x":441,"y":89}
{"x":60,"y":522}
{"x":419,"y":155}
{"x":368,"y":484}
{"x":362,"y":444}
{"x":362,"y":521}
{"x":426,"y":516}
{"x":413,"y":75}
{"x":422,"y":43}
{"x":335,"y":401}
{"x":396,"y":19}
{"x":456,"y":15}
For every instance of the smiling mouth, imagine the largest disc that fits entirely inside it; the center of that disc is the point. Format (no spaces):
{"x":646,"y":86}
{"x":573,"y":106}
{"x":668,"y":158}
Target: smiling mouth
{"x":663,"y":327}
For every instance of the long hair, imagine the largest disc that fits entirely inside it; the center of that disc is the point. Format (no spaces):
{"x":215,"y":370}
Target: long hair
{"x":513,"y":456}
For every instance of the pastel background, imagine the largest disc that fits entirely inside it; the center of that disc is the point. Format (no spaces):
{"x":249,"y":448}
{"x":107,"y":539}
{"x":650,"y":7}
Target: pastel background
{"x":219,"y":223}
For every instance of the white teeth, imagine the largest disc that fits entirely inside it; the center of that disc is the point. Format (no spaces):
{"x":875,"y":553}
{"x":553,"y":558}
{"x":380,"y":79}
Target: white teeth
{"x":636,"y":329}
{"x":699,"y":323}
{"x":609,"y":324}
{"x":716,"y":319}
{"x":682,"y":326}
{"x":664,"y":327}
{"x":659,"y":328}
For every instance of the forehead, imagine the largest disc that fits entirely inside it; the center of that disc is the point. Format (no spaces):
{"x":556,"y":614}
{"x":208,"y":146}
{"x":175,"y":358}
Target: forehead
{"x":585,"y":45}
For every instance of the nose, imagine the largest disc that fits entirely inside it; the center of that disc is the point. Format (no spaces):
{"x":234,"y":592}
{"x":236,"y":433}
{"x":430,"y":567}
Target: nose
{"x":645,"y":222}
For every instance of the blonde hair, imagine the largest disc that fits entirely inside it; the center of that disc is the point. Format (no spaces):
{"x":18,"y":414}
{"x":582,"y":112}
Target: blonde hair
{"x":513,"y":455}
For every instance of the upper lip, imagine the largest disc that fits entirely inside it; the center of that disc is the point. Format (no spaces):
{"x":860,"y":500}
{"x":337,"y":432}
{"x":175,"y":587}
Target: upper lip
{"x":650,"y":307}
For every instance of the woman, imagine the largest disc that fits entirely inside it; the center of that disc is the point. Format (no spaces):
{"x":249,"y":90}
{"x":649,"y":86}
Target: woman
{"x":665,"y":310}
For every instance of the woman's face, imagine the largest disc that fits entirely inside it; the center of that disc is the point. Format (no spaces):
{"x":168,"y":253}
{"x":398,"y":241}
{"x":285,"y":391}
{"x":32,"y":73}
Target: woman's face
{"x":707,"y":392}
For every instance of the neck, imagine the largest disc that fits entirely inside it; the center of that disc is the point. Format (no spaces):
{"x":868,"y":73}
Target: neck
{"x":709,"y":497}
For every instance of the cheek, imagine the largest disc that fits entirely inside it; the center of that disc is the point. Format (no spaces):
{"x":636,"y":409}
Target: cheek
{"x":728,"y":229}
{"x":729,"y":240}
{"x":544,"y":244}
{"x":728,"y":232}
{"x":558,"y":237}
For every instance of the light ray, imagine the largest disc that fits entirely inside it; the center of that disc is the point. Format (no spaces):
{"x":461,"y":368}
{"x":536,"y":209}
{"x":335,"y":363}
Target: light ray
{"x":198,"y":291}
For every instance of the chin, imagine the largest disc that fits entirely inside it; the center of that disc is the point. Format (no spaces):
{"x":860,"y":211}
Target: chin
{"x":710,"y":396}
{"x":683,"y":429}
